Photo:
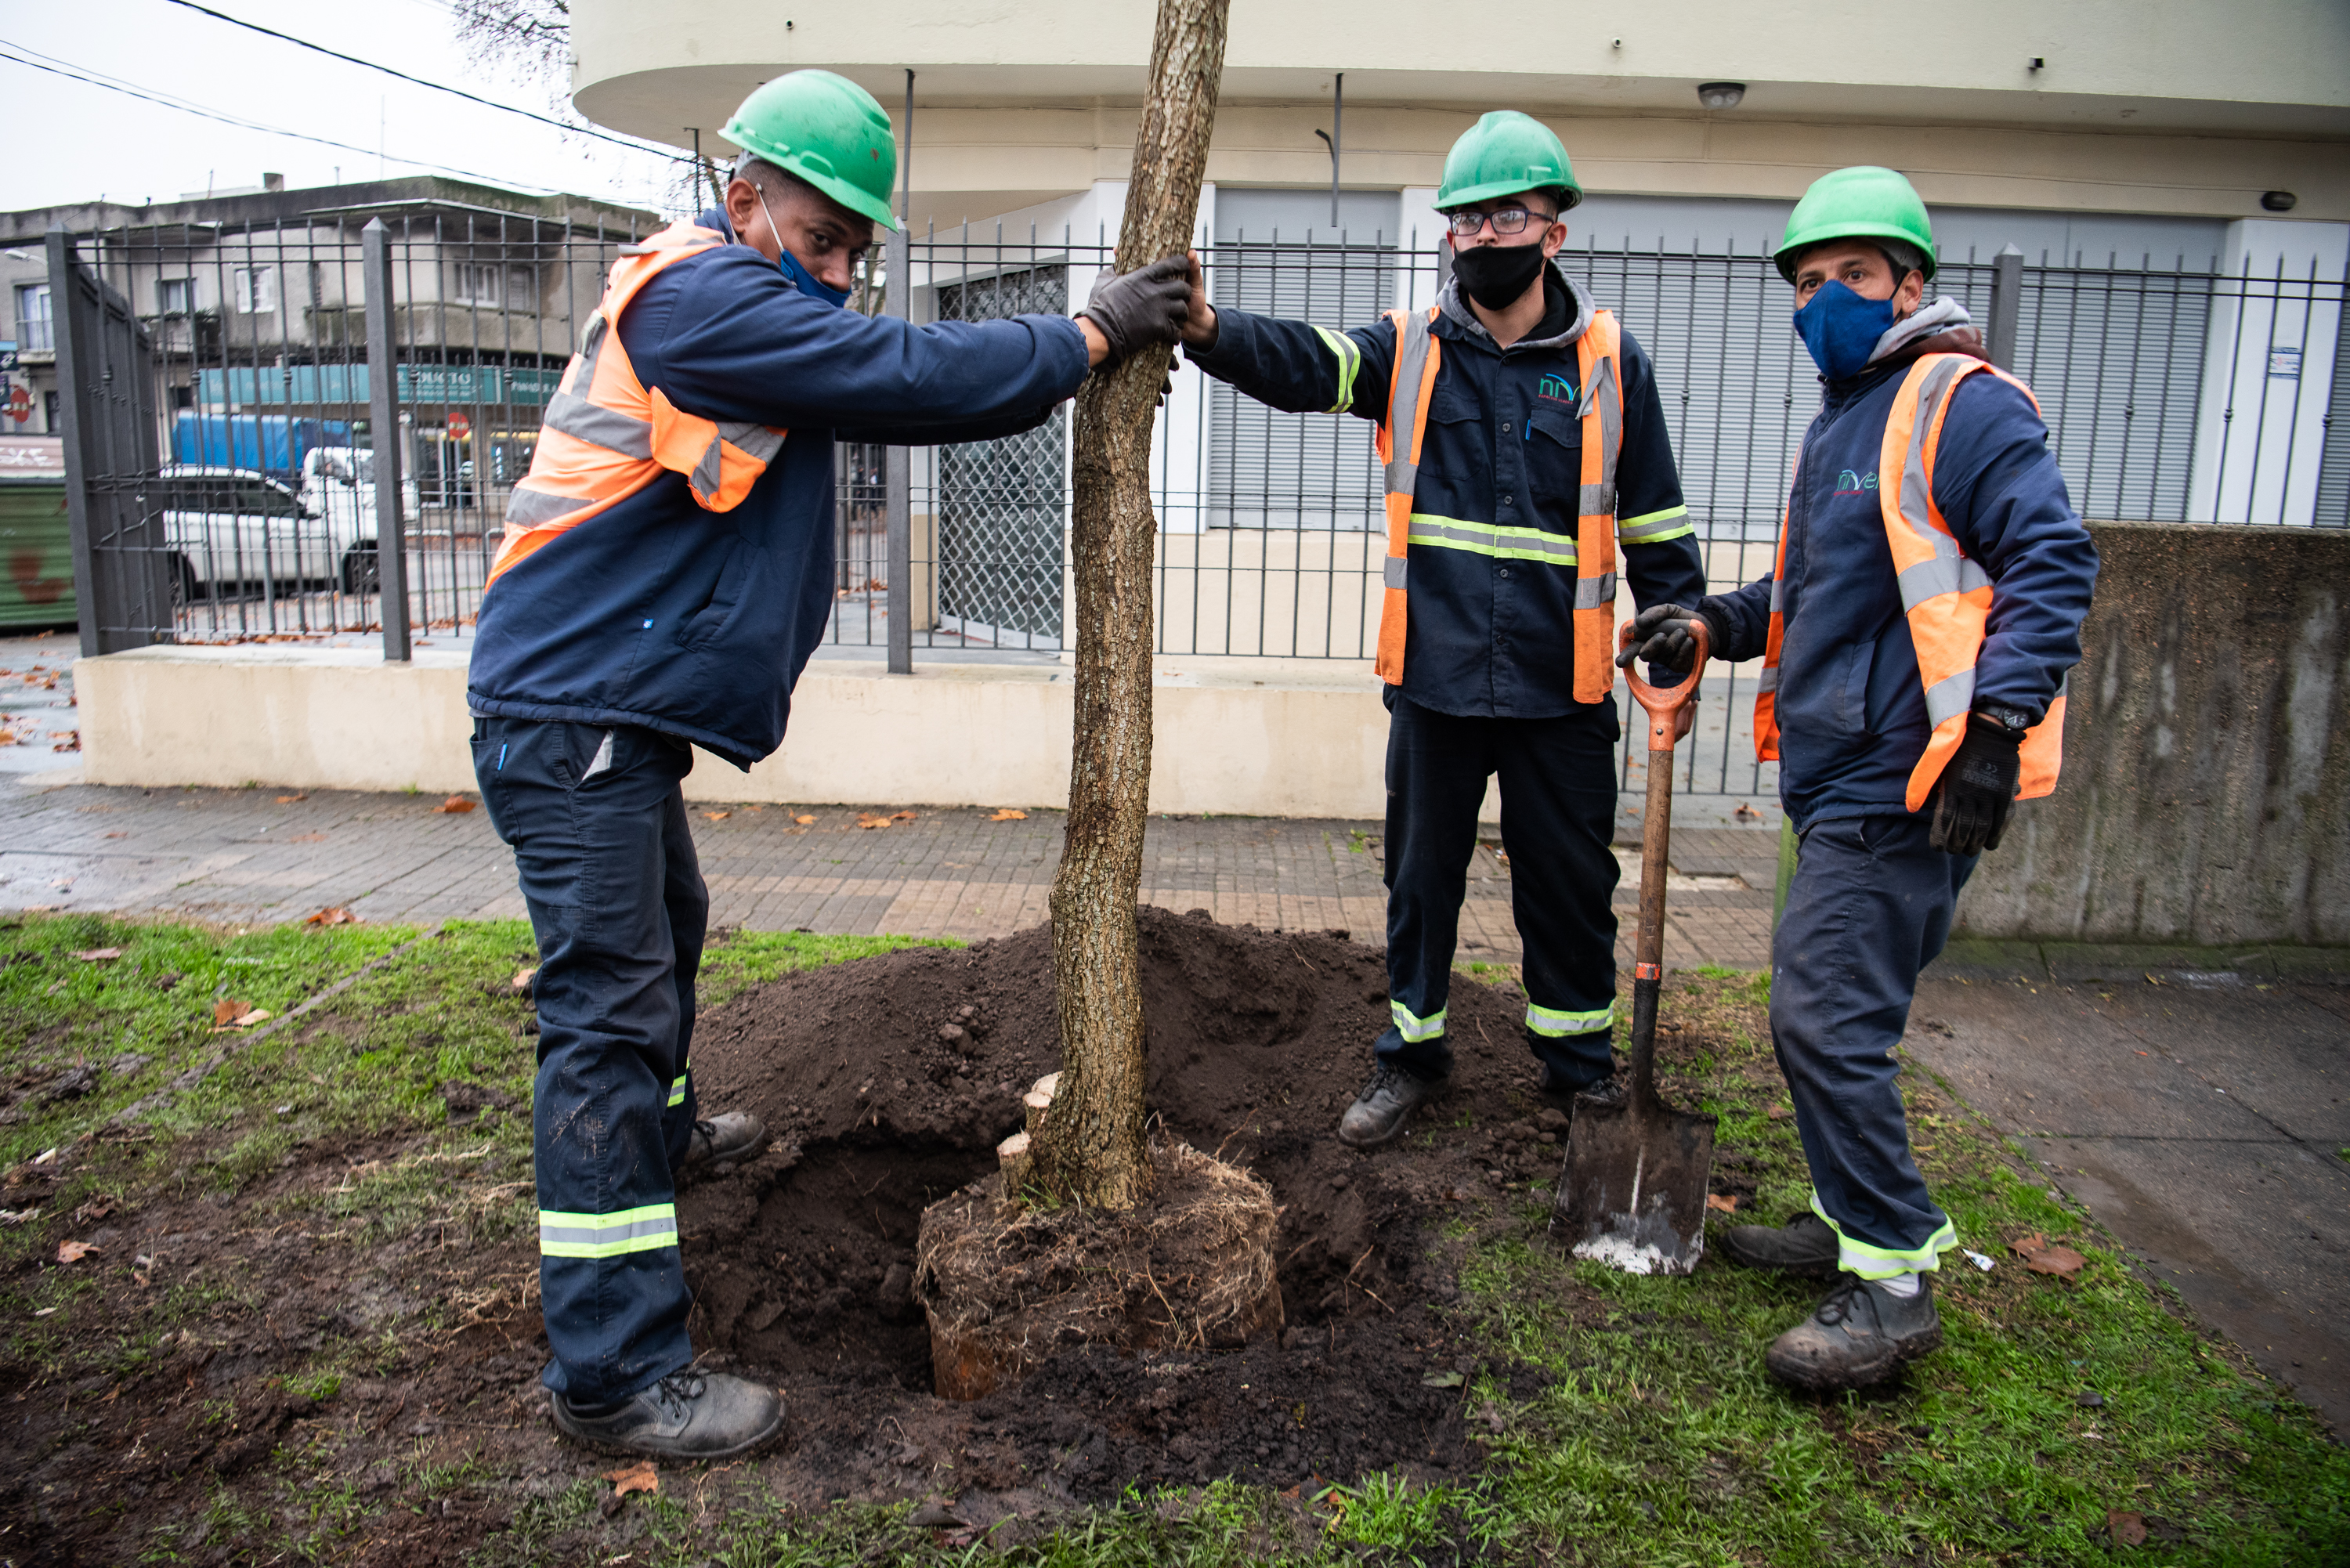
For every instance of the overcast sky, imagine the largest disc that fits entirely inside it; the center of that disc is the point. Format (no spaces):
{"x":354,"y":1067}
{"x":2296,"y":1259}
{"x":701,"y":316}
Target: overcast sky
{"x":74,"y":143}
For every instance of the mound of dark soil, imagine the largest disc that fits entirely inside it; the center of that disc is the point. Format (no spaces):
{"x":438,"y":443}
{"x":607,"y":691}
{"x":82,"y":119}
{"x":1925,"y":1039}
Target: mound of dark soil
{"x":889,"y":1082}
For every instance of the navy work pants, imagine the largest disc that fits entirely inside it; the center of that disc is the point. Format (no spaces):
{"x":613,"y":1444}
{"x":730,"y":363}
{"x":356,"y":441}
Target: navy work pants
{"x":1869,"y":907}
{"x":1558,"y":819}
{"x":598,"y":827}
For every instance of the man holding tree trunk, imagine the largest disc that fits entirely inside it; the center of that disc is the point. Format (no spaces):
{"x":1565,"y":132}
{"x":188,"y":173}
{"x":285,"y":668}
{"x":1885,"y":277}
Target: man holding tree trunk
{"x":666,"y":573}
{"x":1526,"y":447}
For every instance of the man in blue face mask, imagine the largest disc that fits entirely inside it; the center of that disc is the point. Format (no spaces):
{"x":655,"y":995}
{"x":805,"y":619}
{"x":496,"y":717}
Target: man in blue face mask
{"x":1916,"y":632}
{"x":666,"y":573}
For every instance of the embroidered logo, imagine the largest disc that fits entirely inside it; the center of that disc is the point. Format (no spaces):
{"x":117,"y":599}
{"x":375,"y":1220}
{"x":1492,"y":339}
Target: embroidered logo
{"x":1556,"y":389}
{"x":1851,"y":484}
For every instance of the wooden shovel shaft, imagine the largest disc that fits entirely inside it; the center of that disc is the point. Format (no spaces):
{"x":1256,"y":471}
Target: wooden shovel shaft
{"x":1663,"y":708}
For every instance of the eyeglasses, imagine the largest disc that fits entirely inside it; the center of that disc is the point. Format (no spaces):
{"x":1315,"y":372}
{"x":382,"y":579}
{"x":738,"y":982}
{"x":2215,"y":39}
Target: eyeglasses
{"x":1508,"y":221}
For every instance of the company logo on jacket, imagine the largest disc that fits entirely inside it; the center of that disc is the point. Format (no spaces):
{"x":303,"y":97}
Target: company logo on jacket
{"x":1557,"y":389}
{"x":1851,"y":484}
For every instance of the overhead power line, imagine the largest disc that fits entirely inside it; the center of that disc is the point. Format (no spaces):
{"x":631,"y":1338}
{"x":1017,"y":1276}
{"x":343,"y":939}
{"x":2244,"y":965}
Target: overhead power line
{"x":77,"y":73}
{"x":632,"y":144}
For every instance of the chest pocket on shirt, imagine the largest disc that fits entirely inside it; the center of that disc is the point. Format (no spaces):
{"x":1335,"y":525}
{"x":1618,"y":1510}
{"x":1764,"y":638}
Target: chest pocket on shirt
{"x":1554,"y":454}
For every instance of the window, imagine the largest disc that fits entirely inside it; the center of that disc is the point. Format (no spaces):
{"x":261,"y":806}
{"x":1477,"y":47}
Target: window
{"x":174,"y":296}
{"x":491,"y":286}
{"x":254,"y":289}
{"x":33,"y":328}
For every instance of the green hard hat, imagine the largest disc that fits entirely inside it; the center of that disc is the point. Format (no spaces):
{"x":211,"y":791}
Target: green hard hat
{"x":1861,"y":204}
{"x":826,"y":130}
{"x":1504,"y":154}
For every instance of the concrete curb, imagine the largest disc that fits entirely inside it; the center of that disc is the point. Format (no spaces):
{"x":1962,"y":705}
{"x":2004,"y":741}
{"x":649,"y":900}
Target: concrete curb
{"x":1972,"y":959}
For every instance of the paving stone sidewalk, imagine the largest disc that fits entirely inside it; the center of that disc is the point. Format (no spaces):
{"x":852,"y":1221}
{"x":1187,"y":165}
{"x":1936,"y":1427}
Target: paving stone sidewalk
{"x":263,"y":854}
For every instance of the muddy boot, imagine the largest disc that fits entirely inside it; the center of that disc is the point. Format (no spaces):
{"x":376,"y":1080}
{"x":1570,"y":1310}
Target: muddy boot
{"x":1379,"y":1113}
{"x":1858,"y":1335}
{"x":685,"y":1416}
{"x":1555,"y":1092}
{"x":1804,"y":1245}
{"x":724,"y":1140}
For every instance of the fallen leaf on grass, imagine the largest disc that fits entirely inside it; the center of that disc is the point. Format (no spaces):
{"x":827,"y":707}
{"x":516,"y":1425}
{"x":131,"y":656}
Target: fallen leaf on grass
{"x":75,"y":1252}
{"x":804,"y":821}
{"x":2126,"y":1527}
{"x":18,"y":1216}
{"x":523,"y":977}
{"x":1009,"y":815}
{"x":98,"y":955}
{"x":1442,"y":1380}
{"x":1778,"y":1113}
{"x":455,"y":805}
{"x":1723,"y":1203}
{"x":717,"y":815}
{"x":2043,"y":1257}
{"x":639,"y":1476}
{"x":228,"y":1010}
{"x":44,"y":1312}
{"x":290,"y":799}
{"x":338,"y":916}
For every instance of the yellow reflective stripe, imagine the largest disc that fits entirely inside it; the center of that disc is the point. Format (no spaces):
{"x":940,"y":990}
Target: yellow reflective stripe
{"x":1350,"y":360}
{"x":1552,"y":1023}
{"x":1860,"y":1259}
{"x":1492,"y":539}
{"x":676,"y":1091}
{"x":1413,"y":1027}
{"x":645,"y":1230}
{"x":1655,"y":527}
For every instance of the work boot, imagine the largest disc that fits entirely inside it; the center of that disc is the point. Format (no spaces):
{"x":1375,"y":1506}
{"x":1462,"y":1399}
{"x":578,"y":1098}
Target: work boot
{"x":685,"y":1416}
{"x":1378,"y":1115}
{"x":1804,"y":1245}
{"x":1857,"y":1335}
{"x":1558,"y":1094}
{"x":723,"y":1141}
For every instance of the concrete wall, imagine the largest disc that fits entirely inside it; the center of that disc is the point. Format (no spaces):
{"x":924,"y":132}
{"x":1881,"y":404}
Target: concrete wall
{"x":1253,"y":737}
{"x":2206,"y":790}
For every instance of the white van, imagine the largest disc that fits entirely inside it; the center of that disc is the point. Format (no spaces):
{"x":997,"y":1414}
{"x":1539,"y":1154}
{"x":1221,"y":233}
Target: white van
{"x":229,"y":528}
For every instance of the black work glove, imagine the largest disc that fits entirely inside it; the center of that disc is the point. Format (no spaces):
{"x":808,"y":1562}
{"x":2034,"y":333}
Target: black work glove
{"x":1149,"y":304}
{"x":1977,"y":789}
{"x":1662,"y":637}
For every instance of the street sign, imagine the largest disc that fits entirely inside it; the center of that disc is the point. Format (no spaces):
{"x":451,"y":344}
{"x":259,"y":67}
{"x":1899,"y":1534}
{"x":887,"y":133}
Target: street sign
{"x":460,"y":427}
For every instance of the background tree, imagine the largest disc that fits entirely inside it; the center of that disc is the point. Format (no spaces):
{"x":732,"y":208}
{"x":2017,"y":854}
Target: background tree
{"x":1090,"y":1147}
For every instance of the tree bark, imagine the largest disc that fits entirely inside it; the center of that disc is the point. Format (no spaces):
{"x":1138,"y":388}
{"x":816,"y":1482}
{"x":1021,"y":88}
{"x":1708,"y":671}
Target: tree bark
{"x":1090,"y":1149}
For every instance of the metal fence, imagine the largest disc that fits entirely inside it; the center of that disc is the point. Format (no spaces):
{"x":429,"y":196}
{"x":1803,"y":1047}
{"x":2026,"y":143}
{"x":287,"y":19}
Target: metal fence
{"x":239,"y":400}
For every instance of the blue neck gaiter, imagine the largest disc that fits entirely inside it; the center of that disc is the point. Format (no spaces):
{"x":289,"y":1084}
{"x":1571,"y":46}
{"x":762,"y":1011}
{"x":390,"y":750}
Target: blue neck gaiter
{"x":806,"y":283}
{"x":1841,"y":329}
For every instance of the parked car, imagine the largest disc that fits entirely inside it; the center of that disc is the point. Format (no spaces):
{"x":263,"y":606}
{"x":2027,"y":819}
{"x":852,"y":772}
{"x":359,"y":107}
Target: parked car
{"x":233,"y":528}
{"x":338,"y":485}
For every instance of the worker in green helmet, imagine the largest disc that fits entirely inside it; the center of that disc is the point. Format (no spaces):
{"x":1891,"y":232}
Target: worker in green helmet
{"x":1527,"y":460}
{"x":1916,"y":634}
{"x":666,"y":573}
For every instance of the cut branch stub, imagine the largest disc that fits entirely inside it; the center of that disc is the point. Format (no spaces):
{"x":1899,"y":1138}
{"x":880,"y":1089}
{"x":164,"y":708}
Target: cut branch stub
{"x":1092,"y":1150}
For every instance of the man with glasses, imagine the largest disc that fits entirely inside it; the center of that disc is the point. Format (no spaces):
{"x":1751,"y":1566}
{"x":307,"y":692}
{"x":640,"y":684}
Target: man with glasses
{"x":1525,"y":447}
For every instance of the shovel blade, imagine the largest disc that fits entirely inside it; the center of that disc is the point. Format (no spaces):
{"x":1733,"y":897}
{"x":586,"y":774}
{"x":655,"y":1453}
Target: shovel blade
{"x":1632,"y":1195}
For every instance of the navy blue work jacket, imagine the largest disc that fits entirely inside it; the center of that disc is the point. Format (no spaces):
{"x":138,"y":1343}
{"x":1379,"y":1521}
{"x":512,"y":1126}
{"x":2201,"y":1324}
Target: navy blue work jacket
{"x":1490,"y":636}
{"x":1851,"y":707}
{"x":696,"y":623}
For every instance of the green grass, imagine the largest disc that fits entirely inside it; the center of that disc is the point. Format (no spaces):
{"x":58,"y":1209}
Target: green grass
{"x":1658,"y":1439}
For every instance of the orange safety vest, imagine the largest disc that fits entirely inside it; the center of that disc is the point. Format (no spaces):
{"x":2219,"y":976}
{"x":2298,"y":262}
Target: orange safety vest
{"x":1597,"y":351}
{"x":605,"y":436}
{"x":1946,"y":596}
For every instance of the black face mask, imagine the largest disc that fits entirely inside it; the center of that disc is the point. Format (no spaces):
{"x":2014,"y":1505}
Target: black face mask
{"x":1497,"y":276}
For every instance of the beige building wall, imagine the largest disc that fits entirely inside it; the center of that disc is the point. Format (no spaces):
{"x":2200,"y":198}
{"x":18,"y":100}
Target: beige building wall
{"x":2187,"y":109}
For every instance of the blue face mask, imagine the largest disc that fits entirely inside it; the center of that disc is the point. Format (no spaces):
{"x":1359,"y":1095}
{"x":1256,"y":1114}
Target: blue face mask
{"x":801,"y":278}
{"x":1841,"y":329}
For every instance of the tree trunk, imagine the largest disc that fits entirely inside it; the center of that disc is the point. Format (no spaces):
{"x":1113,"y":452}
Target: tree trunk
{"x":1090,"y":1147}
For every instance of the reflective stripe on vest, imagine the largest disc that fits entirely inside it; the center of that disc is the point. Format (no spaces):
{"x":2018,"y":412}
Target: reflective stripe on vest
{"x":1945,"y":597}
{"x":1591,"y":550}
{"x":605,"y":436}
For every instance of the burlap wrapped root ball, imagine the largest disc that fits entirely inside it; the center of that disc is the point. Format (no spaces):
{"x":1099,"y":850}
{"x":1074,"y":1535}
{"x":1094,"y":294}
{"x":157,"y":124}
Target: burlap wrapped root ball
{"x":1007,"y":1281}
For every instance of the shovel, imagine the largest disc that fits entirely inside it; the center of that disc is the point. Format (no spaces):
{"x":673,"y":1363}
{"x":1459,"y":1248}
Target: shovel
{"x":1633,"y":1193}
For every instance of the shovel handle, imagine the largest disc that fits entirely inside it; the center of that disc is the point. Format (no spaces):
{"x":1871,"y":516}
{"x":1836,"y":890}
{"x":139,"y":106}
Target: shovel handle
{"x":1664,"y":708}
{"x":1663,"y":703}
